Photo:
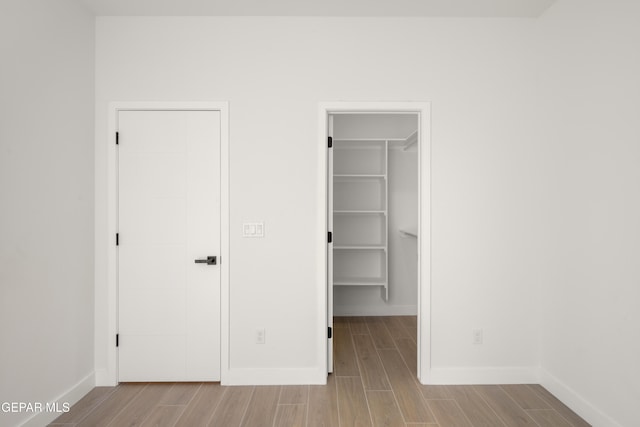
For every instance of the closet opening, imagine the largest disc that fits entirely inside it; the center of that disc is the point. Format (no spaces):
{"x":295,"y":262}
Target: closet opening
{"x":375,"y":278}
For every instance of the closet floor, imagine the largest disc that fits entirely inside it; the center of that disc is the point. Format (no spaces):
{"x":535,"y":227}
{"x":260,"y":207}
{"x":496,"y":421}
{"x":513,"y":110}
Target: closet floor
{"x":373,"y":384}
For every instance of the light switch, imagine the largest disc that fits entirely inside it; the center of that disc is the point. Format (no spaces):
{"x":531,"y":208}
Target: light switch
{"x":253,"y":229}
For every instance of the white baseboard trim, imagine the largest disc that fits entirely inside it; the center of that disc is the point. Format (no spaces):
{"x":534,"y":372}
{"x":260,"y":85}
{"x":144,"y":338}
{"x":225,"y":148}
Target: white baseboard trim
{"x":275,"y":376}
{"x":488,"y":375}
{"x":71,"y":396}
{"x":387,"y":310}
{"x":575,"y":401}
{"x":103,"y":379}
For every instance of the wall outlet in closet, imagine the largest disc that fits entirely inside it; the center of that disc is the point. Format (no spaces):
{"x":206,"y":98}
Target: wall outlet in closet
{"x":477,"y":336}
{"x":260,"y":336}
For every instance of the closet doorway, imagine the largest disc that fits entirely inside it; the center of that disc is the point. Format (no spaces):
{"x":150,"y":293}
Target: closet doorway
{"x":377,"y":223}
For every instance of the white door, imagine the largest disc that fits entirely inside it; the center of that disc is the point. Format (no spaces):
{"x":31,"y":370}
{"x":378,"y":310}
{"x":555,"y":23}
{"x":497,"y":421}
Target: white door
{"x":330,"y":247}
{"x":168,"y":217}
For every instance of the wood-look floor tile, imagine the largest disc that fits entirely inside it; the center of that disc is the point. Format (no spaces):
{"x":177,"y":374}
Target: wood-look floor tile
{"x":262,"y":407}
{"x":290,"y":416}
{"x":85,"y":405}
{"x":352,"y":402}
{"x":358,"y":325}
{"x":504,"y":406}
{"x":232,"y":406}
{"x":409,"y":352}
{"x":405,"y":389}
{"x":413,"y":333}
{"x":111,"y":407}
{"x":525,"y":397}
{"x":345,"y":400}
{"x":548,"y":418}
{"x":164,"y":416}
{"x":410,"y":323}
{"x":371,"y":369}
{"x":180,"y":394}
{"x":474,"y":407}
{"x":434,"y":391}
{"x":560,"y":407}
{"x":341,"y":322}
{"x":380,"y":334}
{"x":323,"y":404}
{"x":200,"y":409}
{"x":448,"y":413}
{"x":395,"y":327}
{"x":344,"y":355}
{"x":384,"y":409}
{"x":293,"y":394}
{"x":136,"y":412}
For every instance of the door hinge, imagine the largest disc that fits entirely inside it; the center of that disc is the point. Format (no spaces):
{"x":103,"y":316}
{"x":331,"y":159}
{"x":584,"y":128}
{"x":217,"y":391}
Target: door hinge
{"x":117,"y":340}
{"x":330,"y":142}
{"x":117,"y":138}
{"x":117,"y":239}
{"x":330,"y":237}
{"x":330,"y":332}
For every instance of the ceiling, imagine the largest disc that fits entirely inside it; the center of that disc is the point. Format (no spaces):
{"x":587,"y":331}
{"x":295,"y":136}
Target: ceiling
{"x":368,"y":8}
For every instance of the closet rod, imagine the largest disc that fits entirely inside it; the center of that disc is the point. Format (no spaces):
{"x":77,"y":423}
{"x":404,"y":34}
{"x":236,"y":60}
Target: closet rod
{"x":408,"y":233}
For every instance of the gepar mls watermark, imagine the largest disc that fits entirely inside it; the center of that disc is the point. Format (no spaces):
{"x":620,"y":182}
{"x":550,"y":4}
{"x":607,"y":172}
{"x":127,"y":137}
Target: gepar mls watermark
{"x":34,"y":407}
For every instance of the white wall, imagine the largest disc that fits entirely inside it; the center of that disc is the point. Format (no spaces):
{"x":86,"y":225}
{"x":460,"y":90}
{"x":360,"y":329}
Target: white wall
{"x":477,"y":74}
{"x":46,"y":192}
{"x":590,"y":92}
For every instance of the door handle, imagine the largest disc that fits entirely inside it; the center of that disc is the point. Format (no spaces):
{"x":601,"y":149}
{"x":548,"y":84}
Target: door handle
{"x":210,"y":260}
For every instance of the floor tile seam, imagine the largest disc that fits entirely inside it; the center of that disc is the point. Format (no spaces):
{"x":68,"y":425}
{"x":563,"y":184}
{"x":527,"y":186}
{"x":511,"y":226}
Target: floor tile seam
{"x":498,"y":417}
{"x":95,"y":406}
{"x":217,"y":405}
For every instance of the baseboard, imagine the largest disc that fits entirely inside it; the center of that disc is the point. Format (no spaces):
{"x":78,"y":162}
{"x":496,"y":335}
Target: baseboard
{"x":103,"y":379}
{"x":485,"y":375}
{"x":575,"y":401}
{"x":275,"y":376}
{"x":71,"y":396}
{"x":387,"y":310}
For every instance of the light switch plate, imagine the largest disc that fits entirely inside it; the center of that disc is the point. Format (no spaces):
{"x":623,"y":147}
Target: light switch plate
{"x":253,"y":229}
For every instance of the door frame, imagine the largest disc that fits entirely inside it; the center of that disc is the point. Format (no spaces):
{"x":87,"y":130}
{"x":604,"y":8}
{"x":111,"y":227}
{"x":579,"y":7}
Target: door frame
{"x":424,"y":221}
{"x":112,"y":216}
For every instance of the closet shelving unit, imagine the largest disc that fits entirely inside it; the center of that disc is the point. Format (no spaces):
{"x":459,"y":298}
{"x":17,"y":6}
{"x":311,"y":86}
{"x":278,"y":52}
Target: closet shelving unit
{"x":360,"y":215}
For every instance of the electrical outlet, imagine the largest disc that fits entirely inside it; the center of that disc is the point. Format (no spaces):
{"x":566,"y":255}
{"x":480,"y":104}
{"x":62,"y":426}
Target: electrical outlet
{"x":477,"y":336}
{"x":259,"y":336}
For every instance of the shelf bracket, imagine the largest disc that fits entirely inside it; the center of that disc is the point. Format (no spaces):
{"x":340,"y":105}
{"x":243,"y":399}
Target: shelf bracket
{"x":410,"y":141}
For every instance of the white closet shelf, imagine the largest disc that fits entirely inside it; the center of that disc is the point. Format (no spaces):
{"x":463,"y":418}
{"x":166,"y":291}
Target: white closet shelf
{"x":367,"y":139}
{"x":361,"y":247}
{"x":376,"y":176}
{"x":360,"y":207}
{"x":355,"y":212}
{"x":359,"y":281}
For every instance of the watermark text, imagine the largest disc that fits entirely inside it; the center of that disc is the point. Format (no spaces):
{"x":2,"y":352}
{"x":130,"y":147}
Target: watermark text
{"x":32,"y":407}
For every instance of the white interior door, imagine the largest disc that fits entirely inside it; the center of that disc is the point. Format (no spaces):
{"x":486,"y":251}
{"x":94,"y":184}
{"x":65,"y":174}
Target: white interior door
{"x":168,"y":217}
{"x":330,"y":249}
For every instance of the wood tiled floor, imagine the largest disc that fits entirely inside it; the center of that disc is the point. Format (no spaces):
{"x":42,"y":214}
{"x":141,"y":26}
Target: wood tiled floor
{"x":373,"y":384}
